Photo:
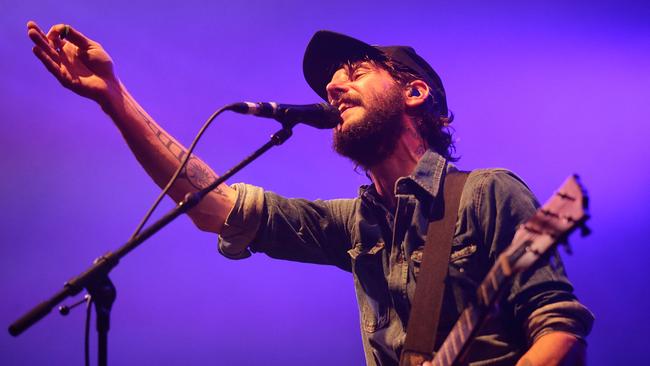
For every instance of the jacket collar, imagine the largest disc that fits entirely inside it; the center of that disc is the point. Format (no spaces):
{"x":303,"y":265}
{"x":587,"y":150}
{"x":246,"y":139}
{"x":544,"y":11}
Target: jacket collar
{"x":427,"y":175}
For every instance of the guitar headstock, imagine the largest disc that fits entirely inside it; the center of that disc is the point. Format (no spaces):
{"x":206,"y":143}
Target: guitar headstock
{"x":564,"y":212}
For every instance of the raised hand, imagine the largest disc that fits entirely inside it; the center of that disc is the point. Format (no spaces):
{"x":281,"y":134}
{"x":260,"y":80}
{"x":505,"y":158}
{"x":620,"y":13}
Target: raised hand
{"x":79,"y":63}
{"x":82,"y":65}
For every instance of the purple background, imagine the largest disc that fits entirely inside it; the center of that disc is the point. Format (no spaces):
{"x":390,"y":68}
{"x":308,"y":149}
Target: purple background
{"x":545,"y":88}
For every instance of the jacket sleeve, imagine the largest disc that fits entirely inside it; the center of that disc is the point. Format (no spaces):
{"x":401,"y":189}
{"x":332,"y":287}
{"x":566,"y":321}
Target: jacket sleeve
{"x":287,"y":228}
{"x":541,"y":298}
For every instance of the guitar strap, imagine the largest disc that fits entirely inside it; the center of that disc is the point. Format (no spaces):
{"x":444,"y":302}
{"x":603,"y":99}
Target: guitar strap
{"x":427,"y":301}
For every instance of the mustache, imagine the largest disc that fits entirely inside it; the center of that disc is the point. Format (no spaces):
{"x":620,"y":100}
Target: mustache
{"x":348,"y":99}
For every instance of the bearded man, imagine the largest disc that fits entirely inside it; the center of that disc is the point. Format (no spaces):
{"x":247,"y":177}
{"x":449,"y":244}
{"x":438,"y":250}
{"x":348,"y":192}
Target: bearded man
{"x":394,"y":126}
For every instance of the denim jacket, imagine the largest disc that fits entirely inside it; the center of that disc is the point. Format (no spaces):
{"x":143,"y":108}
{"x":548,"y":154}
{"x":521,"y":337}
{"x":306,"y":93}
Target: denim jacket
{"x":383,"y":250}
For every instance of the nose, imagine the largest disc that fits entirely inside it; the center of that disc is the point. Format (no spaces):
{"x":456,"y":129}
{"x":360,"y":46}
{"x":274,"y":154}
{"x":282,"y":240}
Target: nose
{"x":335,"y":89}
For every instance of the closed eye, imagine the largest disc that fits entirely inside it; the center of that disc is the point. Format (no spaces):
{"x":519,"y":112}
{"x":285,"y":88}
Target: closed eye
{"x":359,"y":73}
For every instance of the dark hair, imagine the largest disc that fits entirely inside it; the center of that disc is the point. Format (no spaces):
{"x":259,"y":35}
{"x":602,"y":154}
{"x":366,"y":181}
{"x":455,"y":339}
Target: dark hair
{"x":432,"y":126}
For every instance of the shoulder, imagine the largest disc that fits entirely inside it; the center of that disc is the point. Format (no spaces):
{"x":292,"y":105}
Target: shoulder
{"x":493,"y":204}
{"x":493,"y":188}
{"x":343,"y":212}
{"x":495,"y":178}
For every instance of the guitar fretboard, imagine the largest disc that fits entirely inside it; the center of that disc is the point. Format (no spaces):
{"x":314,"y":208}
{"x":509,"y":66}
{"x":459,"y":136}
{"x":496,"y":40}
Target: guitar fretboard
{"x":471,"y":318}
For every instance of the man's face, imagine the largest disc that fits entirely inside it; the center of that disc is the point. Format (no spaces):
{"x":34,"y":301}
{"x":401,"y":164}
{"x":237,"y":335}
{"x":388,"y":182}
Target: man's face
{"x":372,"y":106}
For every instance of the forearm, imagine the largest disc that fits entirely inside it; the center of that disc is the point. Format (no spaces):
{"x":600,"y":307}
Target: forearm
{"x":555,"y":348}
{"x":160,"y":155}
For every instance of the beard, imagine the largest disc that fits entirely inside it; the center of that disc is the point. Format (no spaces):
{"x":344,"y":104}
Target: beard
{"x":373,"y":137}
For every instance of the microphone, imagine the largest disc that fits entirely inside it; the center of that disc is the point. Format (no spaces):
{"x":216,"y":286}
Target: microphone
{"x":320,"y":115}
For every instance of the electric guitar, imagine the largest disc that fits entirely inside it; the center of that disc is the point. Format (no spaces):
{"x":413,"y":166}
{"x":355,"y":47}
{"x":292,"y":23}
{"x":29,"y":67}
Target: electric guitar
{"x":551,"y":224}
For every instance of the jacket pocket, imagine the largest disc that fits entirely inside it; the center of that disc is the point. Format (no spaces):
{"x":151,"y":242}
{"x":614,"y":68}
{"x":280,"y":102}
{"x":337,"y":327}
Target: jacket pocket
{"x":371,"y":286}
{"x":459,"y":288}
{"x":461,"y":256}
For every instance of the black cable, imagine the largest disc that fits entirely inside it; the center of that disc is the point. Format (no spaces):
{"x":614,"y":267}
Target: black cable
{"x":174,"y":177}
{"x":89,"y":302}
{"x":148,"y":215}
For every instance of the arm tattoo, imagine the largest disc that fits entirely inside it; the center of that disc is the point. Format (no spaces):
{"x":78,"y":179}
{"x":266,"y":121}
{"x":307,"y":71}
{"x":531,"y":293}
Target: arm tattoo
{"x":175,"y":149}
{"x":198,"y":174}
{"x":195,"y":171}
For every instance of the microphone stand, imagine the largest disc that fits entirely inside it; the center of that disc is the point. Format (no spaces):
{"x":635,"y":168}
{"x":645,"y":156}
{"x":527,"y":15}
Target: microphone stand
{"x":95,"y":279}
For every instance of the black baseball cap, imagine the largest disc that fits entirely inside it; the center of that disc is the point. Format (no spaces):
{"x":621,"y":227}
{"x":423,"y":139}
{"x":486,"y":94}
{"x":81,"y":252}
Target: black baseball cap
{"x":328,"y":50}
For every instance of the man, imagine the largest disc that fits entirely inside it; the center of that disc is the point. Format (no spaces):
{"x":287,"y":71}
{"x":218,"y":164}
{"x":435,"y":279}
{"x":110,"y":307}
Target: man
{"x":394,"y":114}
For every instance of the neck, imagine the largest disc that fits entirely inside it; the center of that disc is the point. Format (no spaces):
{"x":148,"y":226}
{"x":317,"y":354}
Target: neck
{"x":401,"y":162}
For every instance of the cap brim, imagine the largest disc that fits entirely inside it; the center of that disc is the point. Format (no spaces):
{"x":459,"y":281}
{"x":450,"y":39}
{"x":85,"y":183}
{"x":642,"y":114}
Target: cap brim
{"x":328,"y":50}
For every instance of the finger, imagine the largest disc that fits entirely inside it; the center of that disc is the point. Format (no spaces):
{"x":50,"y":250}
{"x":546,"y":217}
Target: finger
{"x":50,"y":65}
{"x":32,"y":24}
{"x":74,"y":36}
{"x":54,"y":36}
{"x":41,"y":42}
{"x":34,"y":29}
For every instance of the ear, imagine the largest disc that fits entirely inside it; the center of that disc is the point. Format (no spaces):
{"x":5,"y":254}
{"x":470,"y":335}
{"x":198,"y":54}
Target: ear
{"x":417,"y":92}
